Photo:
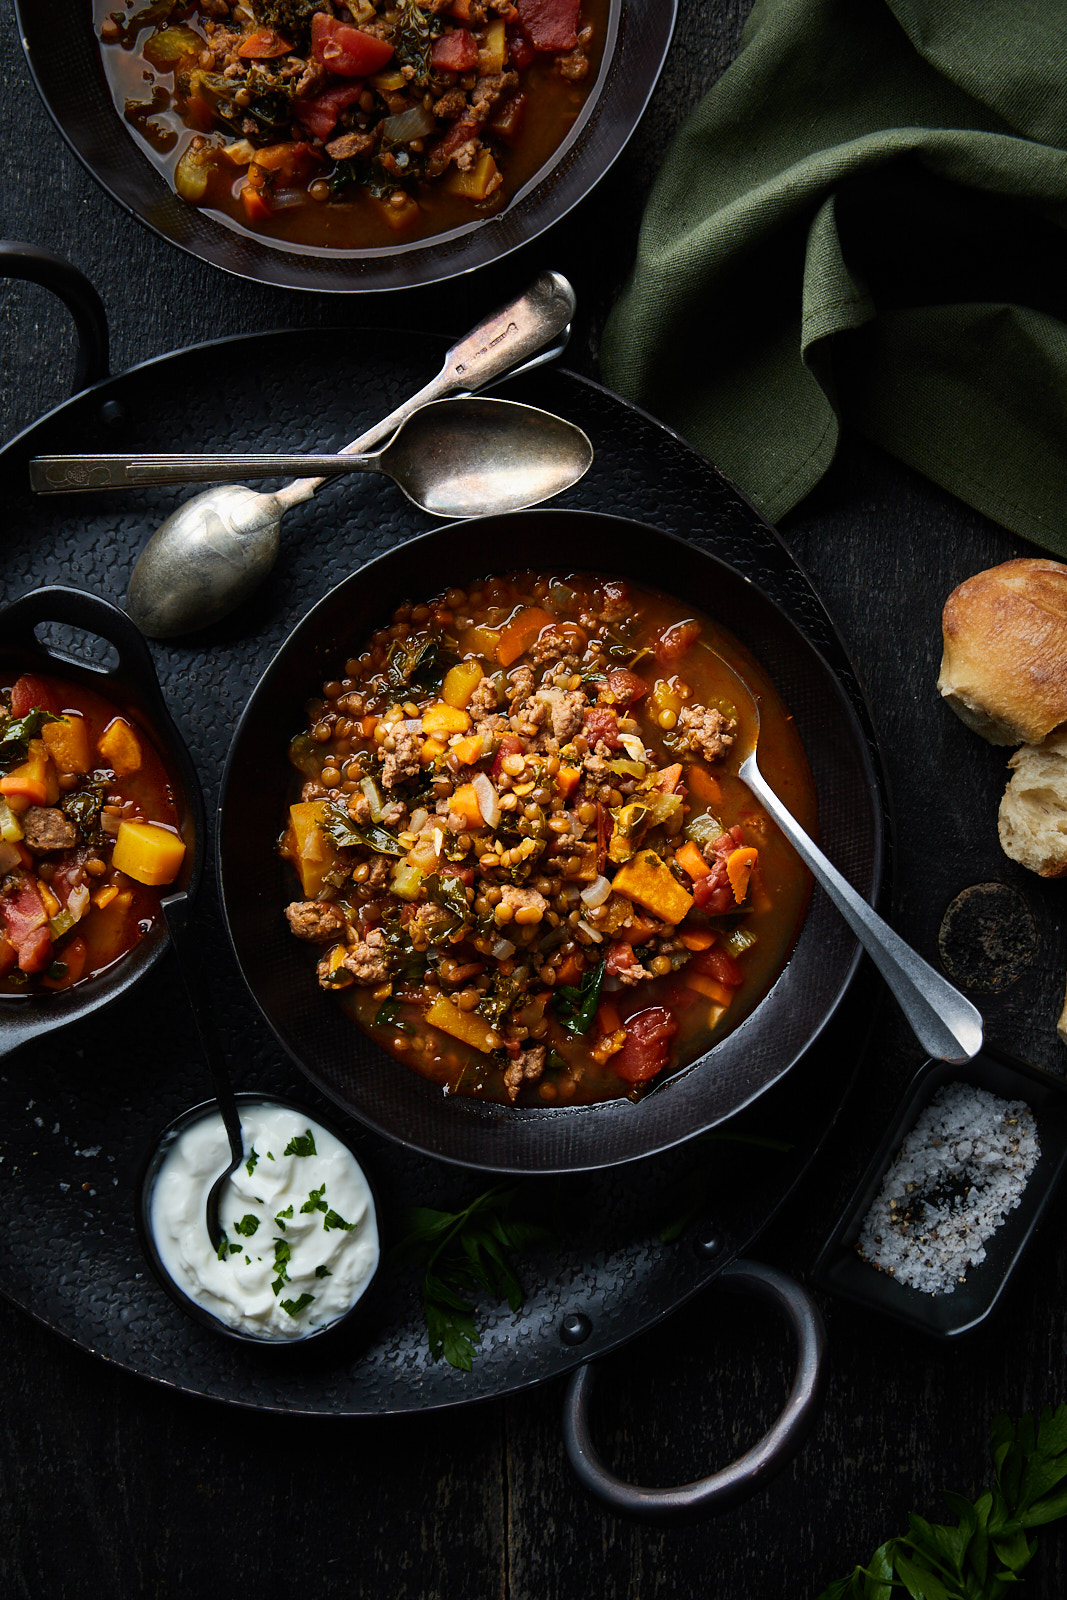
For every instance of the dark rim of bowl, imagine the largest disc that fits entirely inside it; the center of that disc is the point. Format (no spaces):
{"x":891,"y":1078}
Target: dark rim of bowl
{"x":143,"y":1187}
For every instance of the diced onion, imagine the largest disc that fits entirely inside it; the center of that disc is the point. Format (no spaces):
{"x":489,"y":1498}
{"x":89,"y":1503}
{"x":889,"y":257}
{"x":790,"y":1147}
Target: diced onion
{"x":597,"y":891}
{"x":488,"y":802}
{"x":415,"y":123}
{"x":240,"y":152}
{"x":419,"y":820}
{"x":109,"y":823}
{"x":9,"y":857}
{"x":78,"y":901}
{"x":593,"y":934}
{"x":413,"y":724}
{"x":633,"y":746}
{"x":502,"y":949}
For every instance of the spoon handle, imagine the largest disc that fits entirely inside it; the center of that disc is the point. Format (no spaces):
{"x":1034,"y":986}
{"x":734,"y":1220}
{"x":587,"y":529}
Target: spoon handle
{"x":78,"y":474}
{"x":945,"y":1023}
{"x":499,"y":343}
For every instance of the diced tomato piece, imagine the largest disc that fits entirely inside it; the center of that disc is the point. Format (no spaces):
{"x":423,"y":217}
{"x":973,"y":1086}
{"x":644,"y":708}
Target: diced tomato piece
{"x":676,"y":996}
{"x":673,"y":642}
{"x":601,"y":723}
{"x":257,"y":208}
{"x":508,"y":122}
{"x":510,"y":745}
{"x":648,"y":1037}
{"x":626,"y":686}
{"x":263,"y":45}
{"x":455,"y":52}
{"x":620,"y":958}
{"x":348,"y":52}
{"x":550,"y":24}
{"x":30,"y":692}
{"x":319,"y":114}
{"x":25,"y":922}
{"x":8,"y":956}
{"x":719,"y":964}
{"x":457,"y":134}
{"x":713,"y":894}
{"x":520,"y":51}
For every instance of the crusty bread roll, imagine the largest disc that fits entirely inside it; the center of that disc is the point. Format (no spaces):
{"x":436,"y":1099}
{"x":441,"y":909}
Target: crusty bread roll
{"x":1033,"y":813}
{"x":1004,"y":667}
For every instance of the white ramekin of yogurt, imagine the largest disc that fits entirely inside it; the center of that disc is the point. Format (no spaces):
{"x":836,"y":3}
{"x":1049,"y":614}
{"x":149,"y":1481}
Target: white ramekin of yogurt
{"x":300,"y":1225}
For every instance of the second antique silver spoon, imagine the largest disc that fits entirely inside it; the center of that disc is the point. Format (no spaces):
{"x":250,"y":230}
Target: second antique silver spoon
{"x":453,"y":458}
{"x":212,"y":552}
{"x":946,"y":1024}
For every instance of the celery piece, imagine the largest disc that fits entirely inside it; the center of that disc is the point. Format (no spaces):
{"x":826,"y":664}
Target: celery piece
{"x":407,"y":880}
{"x":10,"y":826}
{"x":374,"y":799}
{"x":61,"y":923}
{"x":738,"y":940}
{"x":704,"y":828}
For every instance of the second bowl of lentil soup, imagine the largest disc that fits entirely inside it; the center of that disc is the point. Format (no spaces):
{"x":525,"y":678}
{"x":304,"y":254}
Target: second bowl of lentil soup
{"x":524,"y":880}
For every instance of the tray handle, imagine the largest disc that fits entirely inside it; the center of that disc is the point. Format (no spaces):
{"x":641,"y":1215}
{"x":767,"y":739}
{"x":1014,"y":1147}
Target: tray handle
{"x":29,"y":261}
{"x":743,"y":1477}
{"x":93,"y":614}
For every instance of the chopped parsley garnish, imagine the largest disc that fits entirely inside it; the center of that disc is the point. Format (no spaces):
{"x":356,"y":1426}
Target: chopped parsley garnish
{"x":332,"y":1220}
{"x":247,"y":1225}
{"x":282,"y":1253}
{"x":323,"y":1271}
{"x":226,"y":1249}
{"x":282,"y":1217}
{"x":301,"y":1144}
{"x":294,"y":1307}
{"x":251,"y":1163}
{"x":314,"y":1201}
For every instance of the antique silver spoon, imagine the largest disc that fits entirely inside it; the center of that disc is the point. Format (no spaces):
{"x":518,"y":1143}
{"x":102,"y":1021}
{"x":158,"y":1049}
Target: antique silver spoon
{"x":452,"y":458}
{"x":946,"y":1024}
{"x":217,"y":548}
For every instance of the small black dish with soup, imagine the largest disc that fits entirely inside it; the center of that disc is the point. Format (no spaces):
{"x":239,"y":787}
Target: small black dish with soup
{"x":128,"y":681}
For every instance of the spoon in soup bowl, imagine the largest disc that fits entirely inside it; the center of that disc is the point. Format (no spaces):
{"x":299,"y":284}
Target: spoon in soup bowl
{"x":946,"y":1024}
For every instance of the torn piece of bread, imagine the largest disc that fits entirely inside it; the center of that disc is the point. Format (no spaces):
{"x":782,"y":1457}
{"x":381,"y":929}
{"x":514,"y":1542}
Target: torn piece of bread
{"x":1033,"y":812}
{"x":1004,"y":666}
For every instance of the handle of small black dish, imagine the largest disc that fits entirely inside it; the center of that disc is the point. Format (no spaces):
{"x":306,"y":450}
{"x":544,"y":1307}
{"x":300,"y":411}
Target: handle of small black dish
{"x":92,"y":614}
{"x":28,"y":261}
{"x":743,"y":1477}
{"x":176,"y":911}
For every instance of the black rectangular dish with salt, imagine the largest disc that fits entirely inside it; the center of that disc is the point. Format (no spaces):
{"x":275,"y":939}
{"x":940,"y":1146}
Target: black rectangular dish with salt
{"x":946,"y":1314}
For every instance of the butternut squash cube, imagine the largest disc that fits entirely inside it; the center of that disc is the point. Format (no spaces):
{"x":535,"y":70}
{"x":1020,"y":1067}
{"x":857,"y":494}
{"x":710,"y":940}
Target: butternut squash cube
{"x":460,"y":683}
{"x":312,"y":853}
{"x":440,"y":720}
{"x":466,"y":1026}
{"x":68,"y":744}
{"x":648,"y":880}
{"x":120,"y":748}
{"x":148,"y":852}
{"x":479,"y":182}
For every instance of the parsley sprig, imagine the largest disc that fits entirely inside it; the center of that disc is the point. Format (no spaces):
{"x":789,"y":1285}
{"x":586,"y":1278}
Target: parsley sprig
{"x":462,"y":1252}
{"x":982,"y":1554}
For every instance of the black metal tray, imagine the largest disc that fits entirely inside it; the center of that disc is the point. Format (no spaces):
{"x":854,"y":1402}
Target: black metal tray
{"x":79,"y":1109}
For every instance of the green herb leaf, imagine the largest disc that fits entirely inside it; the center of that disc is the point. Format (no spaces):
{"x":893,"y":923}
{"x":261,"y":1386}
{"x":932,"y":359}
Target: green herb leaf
{"x":323,"y":1271}
{"x":16,"y":733}
{"x":294,"y":1307}
{"x":463,"y":1252}
{"x":301,"y":1144}
{"x":332,"y":1220}
{"x":314,"y":1201}
{"x":283,"y":1216}
{"x":282,"y":1254}
{"x":252,"y":1162}
{"x":988,"y":1548}
{"x":347,"y":835}
{"x":247,"y":1225}
{"x":388,"y":1016}
{"x":575,"y":1007}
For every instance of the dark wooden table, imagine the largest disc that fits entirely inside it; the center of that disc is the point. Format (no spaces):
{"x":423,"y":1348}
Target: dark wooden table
{"x":111,"y":1487}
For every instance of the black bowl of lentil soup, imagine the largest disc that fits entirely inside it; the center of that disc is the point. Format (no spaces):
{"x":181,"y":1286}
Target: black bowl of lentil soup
{"x":428,"y":177}
{"x":588,"y":903}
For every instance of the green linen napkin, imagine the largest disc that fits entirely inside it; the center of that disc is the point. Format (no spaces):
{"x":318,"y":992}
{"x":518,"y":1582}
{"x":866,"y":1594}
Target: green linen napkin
{"x":865,"y":222}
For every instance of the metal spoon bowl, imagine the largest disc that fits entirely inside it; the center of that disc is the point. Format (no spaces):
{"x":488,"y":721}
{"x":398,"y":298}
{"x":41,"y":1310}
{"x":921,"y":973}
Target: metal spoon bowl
{"x":212,"y":553}
{"x":945,"y":1023}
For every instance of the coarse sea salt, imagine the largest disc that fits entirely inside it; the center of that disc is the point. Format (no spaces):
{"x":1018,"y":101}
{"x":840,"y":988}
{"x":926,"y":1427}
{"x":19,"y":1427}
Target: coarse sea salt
{"x":959,"y":1172}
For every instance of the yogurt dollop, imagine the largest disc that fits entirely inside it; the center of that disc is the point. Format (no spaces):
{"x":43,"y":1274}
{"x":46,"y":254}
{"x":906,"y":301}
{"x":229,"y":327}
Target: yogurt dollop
{"x":300,"y":1234}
